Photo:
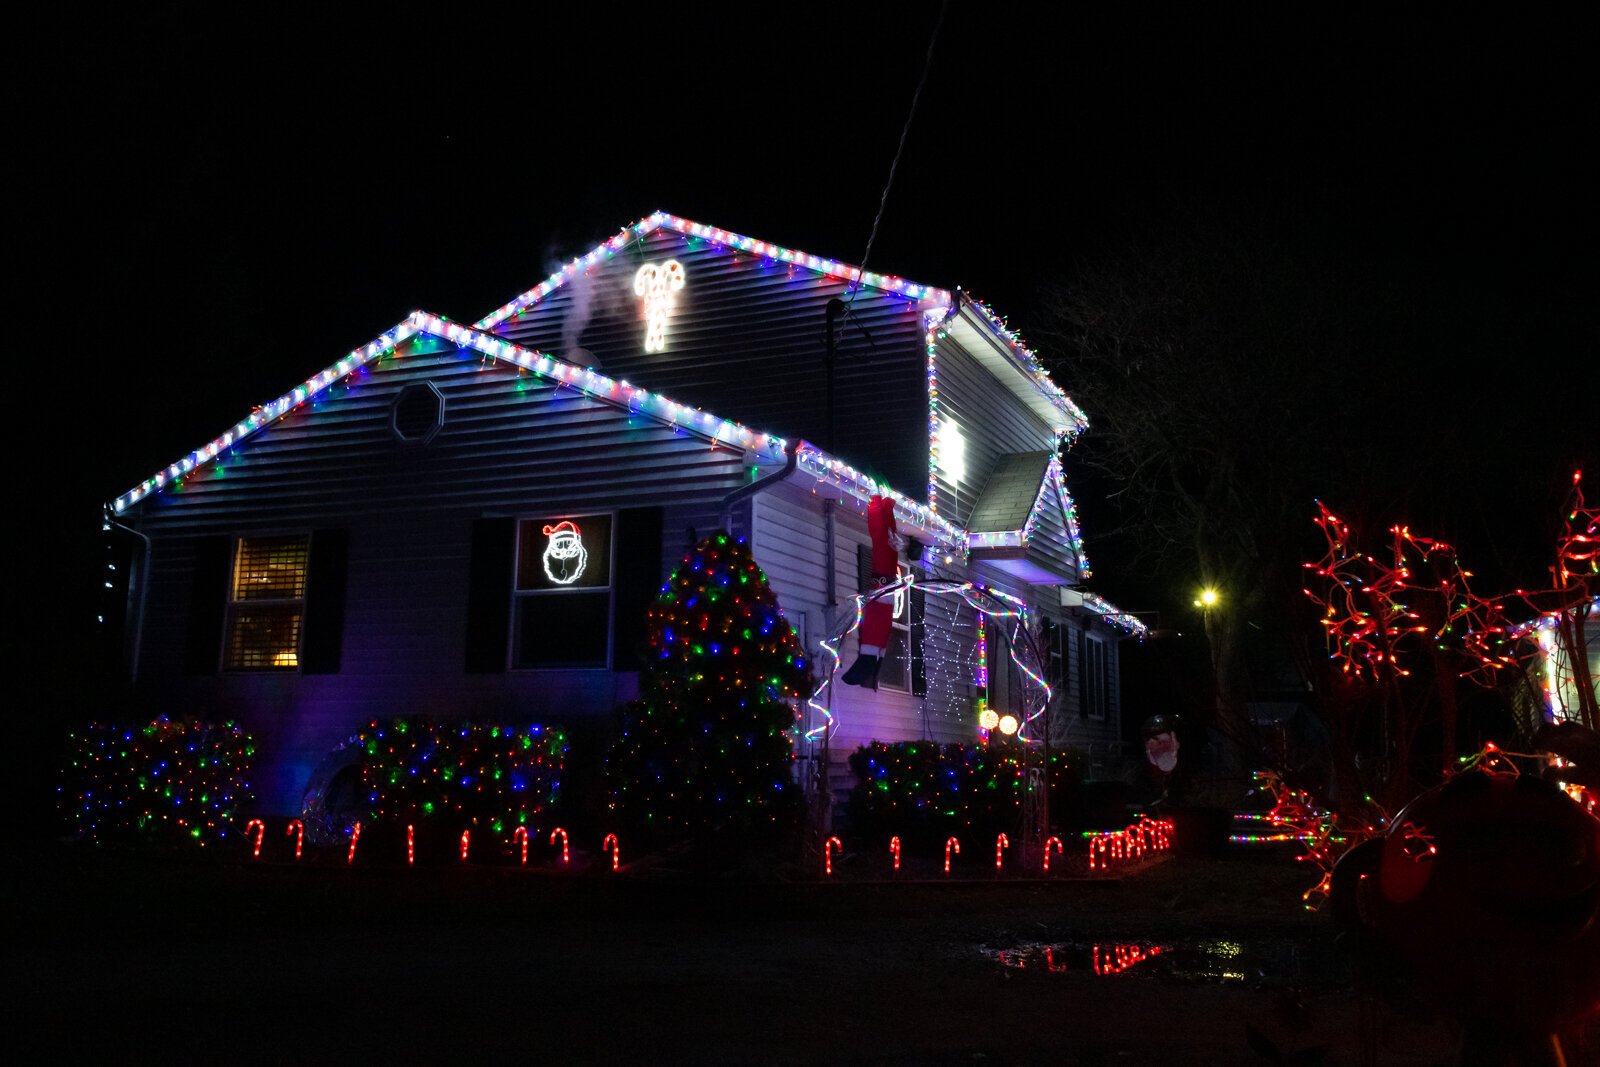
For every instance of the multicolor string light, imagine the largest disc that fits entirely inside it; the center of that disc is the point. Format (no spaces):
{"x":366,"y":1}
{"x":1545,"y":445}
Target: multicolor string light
{"x":168,"y":780}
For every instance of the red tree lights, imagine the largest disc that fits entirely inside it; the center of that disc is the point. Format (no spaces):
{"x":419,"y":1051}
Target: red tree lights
{"x":1385,"y":617}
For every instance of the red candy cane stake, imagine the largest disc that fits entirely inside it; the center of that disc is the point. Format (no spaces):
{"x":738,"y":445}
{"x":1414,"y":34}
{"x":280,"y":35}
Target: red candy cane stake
{"x":616,"y":849}
{"x":827,"y":854}
{"x":1000,"y":845}
{"x":521,"y":834}
{"x":949,"y":845}
{"x":1056,"y":841}
{"x":355,"y":837}
{"x":565,"y":856}
{"x":466,"y":835}
{"x":261,"y":831}
{"x":297,"y":828}
{"x":411,"y":844}
{"x":894,"y":848}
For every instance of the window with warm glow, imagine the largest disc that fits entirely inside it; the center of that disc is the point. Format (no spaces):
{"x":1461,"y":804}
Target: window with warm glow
{"x":266,"y":603}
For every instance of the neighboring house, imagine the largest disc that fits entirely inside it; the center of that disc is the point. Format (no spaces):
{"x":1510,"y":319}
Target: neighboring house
{"x":471,"y":520}
{"x":1569,"y":683}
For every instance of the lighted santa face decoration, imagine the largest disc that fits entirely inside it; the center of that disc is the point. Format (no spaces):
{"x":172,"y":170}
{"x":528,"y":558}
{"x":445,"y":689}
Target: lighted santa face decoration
{"x":564,"y":556}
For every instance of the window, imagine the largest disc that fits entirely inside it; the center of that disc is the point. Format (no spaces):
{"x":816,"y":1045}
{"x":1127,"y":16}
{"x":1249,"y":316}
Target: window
{"x":417,"y":414}
{"x":266,"y":603}
{"x":561,"y":616}
{"x":901,"y":667}
{"x":1091,"y":676}
{"x":895,"y":672}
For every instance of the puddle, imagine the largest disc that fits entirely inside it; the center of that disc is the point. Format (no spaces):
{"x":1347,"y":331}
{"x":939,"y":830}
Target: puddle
{"x":1274,"y":962}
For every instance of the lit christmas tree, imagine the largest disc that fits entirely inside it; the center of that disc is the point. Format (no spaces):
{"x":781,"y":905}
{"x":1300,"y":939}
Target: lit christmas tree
{"x":705,"y":748}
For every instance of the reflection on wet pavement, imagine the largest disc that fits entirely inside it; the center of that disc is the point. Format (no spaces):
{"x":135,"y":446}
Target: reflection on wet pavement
{"x":1259,"y":962}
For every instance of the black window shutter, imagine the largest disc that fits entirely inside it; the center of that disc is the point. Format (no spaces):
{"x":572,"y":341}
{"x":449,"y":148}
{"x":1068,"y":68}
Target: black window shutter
{"x":636,"y":581}
{"x":489,"y":576}
{"x":919,"y":633}
{"x":1083,"y":675}
{"x":208,"y":603}
{"x":863,"y":568}
{"x":326,"y":580}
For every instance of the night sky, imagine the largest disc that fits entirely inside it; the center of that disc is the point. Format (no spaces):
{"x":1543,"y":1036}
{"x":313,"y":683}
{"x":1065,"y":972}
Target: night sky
{"x":216,"y":210}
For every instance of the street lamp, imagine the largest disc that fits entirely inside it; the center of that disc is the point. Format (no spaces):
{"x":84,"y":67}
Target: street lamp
{"x":1208,"y":599}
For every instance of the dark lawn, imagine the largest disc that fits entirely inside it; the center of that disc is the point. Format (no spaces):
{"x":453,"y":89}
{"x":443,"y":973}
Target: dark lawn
{"x":123,"y":959}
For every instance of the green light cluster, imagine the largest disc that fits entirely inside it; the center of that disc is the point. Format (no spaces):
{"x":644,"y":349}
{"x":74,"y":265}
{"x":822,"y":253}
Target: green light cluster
{"x":166,"y":782}
{"x":705,"y":747}
{"x":487,"y":776}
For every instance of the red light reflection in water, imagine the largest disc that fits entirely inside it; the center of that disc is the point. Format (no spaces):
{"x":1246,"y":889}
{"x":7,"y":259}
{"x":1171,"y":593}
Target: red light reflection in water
{"x":1114,"y":959}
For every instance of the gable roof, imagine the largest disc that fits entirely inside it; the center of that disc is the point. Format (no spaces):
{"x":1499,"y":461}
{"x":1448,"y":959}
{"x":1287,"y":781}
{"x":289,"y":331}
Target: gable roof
{"x":584,"y":379}
{"x":993,"y":343}
{"x":1011,"y":493}
{"x":1050,"y":491}
{"x":817,"y":463}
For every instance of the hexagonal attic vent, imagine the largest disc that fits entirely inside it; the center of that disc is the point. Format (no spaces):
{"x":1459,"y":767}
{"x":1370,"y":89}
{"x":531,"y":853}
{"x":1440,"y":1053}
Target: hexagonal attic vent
{"x":418,"y":413}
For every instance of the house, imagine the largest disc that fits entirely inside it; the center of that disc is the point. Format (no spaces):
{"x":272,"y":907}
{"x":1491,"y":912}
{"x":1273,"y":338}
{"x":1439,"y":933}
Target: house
{"x":459,"y":520}
{"x":1566,"y":670}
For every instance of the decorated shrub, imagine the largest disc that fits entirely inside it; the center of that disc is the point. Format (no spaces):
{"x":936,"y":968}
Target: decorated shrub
{"x":705,"y":750}
{"x":170,"y":781}
{"x":478,"y":776}
{"x":924,"y":792}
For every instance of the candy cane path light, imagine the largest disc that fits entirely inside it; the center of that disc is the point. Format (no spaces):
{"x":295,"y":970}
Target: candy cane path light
{"x":520,"y":834}
{"x":827,"y":852}
{"x":894,"y":849}
{"x":616,"y":849}
{"x":1056,"y":841}
{"x":297,"y":828}
{"x":559,"y":832}
{"x":261,"y":831}
{"x":950,"y":845}
{"x":355,"y":837}
{"x":1000,"y":845}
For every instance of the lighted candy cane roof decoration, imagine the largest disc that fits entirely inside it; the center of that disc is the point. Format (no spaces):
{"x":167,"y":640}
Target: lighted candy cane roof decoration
{"x":584,"y":379}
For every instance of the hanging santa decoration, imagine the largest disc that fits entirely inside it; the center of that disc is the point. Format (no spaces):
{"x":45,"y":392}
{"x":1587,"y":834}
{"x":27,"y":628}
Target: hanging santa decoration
{"x":877,"y":618}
